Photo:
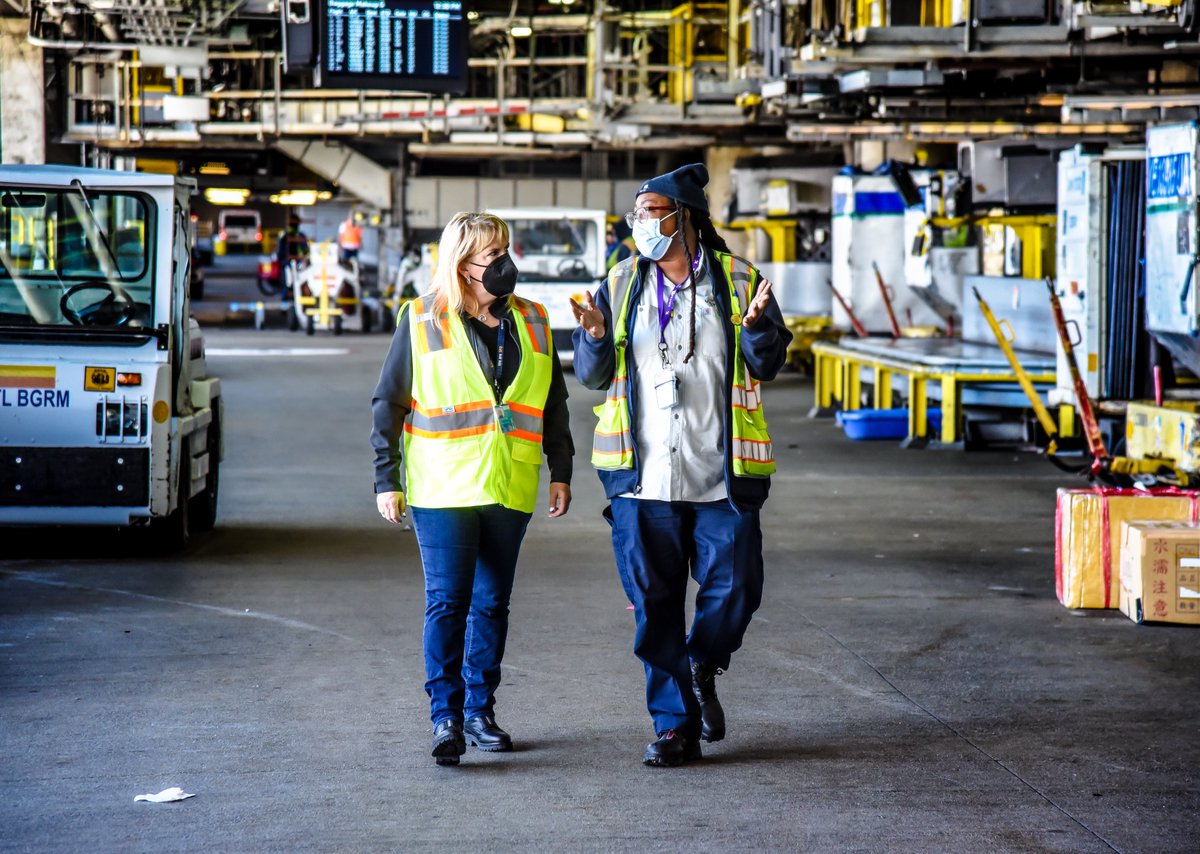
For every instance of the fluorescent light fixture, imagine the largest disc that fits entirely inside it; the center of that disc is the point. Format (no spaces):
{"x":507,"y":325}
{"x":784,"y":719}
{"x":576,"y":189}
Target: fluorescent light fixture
{"x":214,"y":169}
{"x":226,"y":196}
{"x":521,"y":32}
{"x":295,"y":197}
{"x":324,"y":195}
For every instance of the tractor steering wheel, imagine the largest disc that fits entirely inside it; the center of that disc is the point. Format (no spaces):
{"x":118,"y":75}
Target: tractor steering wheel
{"x":115,"y":308}
{"x":573,"y":268}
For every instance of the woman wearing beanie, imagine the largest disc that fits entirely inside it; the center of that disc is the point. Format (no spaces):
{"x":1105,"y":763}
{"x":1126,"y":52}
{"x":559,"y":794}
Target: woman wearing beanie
{"x":470,"y":387}
{"x":681,"y":335}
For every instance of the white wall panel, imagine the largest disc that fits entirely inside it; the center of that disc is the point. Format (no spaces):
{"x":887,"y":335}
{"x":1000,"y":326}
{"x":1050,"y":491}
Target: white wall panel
{"x":497,"y":193}
{"x":535,"y":193}
{"x":454,"y":195}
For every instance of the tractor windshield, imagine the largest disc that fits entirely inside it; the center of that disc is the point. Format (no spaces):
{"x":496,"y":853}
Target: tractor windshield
{"x":75,"y":257}
{"x":559,"y":249}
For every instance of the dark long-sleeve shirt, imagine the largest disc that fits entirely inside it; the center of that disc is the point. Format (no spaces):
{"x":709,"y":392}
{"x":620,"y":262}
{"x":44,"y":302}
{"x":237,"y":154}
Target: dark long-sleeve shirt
{"x":392,"y":400}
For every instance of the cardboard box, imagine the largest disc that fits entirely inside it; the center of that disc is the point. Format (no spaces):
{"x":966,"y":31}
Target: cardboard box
{"x":1160,"y":572}
{"x":1087,"y":547}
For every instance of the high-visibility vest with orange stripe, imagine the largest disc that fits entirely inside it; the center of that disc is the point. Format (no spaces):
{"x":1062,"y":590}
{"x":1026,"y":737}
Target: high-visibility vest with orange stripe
{"x":350,"y":235}
{"x":455,"y":454}
{"x":612,"y":444}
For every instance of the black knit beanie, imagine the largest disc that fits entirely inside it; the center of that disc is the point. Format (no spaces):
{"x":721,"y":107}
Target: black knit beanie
{"x":685,"y":185}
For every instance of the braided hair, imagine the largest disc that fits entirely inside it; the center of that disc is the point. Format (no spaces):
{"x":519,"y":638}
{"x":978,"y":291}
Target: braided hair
{"x":702,"y":222}
{"x":707,"y":231}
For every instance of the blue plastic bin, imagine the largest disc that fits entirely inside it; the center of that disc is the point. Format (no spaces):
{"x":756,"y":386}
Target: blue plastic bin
{"x":861,"y":424}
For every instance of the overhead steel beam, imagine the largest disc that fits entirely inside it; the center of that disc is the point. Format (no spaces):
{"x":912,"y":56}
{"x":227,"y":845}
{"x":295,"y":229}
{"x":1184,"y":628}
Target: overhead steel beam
{"x":356,"y":173}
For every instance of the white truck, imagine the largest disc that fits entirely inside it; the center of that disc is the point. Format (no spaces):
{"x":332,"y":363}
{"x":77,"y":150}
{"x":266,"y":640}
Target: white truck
{"x":560,"y":253}
{"x":107,"y":413}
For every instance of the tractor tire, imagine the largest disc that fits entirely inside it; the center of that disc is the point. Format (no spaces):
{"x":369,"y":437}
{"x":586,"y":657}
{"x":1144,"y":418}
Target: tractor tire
{"x":202,"y":508}
{"x":172,"y":533}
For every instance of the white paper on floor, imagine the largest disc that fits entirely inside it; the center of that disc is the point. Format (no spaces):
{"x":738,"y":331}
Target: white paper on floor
{"x":166,"y":796}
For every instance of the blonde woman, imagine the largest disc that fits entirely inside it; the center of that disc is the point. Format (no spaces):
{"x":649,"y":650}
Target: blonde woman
{"x":470,"y":398}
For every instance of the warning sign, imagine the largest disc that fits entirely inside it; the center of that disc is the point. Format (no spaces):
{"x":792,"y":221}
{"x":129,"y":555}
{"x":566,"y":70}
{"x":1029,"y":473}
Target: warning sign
{"x":99,"y":379}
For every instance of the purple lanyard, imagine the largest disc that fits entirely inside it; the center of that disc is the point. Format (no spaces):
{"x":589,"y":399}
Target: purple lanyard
{"x":666,"y":301}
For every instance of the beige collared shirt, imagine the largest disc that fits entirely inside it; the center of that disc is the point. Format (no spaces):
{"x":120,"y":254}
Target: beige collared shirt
{"x":681,"y":449}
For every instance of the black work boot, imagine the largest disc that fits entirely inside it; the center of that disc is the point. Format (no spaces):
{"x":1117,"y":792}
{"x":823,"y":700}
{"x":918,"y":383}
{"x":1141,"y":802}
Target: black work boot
{"x":486,"y":735}
{"x":712,"y":716}
{"x":670,"y":750}
{"x":448,"y":742}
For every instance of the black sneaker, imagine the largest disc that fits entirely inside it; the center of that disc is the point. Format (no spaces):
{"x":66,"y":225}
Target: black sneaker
{"x":486,"y":735}
{"x":448,"y":742}
{"x":670,"y":750}
{"x":712,"y":716}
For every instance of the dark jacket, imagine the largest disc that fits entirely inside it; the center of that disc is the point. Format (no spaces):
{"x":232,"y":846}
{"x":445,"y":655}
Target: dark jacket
{"x":292,"y":247}
{"x":392,"y":401}
{"x":764,"y":348}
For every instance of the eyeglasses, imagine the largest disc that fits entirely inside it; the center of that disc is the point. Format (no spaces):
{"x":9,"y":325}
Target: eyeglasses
{"x":643,"y":214}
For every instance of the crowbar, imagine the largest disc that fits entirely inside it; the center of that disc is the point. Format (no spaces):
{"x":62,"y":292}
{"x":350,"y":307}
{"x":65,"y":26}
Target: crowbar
{"x":887,"y":301}
{"x":1091,"y":426}
{"x":1035,"y":399}
{"x":859,"y":329}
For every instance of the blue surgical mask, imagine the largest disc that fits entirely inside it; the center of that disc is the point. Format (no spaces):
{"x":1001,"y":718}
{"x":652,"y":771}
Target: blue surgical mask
{"x":651,"y":242}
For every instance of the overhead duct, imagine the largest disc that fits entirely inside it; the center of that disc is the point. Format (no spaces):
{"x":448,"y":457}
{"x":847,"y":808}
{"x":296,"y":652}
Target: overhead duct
{"x":129,"y":25}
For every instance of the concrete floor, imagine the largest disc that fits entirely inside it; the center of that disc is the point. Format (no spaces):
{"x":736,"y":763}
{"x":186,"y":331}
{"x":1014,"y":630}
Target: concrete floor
{"x":909,"y":685}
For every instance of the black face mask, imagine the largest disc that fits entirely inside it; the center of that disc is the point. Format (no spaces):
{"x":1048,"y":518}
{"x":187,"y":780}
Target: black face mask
{"x":499,"y":277}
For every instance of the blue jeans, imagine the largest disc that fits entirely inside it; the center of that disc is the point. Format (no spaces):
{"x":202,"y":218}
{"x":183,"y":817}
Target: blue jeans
{"x":470,"y":558}
{"x":657,"y":544}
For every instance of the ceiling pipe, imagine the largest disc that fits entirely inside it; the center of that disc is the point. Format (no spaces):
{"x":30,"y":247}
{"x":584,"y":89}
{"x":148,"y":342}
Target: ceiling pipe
{"x":58,"y":44}
{"x":107,"y":26}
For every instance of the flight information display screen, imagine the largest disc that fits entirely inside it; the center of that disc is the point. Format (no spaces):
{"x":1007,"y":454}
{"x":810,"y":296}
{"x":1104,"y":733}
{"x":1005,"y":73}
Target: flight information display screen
{"x":413,"y":45}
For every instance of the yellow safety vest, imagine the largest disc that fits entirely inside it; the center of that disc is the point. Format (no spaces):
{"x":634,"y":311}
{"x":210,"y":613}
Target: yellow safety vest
{"x":612,"y":444}
{"x":455,"y":454}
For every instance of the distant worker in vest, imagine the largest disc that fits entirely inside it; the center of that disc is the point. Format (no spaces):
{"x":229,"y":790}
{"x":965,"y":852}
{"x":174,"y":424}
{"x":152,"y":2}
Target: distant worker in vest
{"x":618,"y":244}
{"x":681,"y":335}
{"x":291,"y":254}
{"x":349,"y":239}
{"x":470,"y":398}
{"x":293,"y":244}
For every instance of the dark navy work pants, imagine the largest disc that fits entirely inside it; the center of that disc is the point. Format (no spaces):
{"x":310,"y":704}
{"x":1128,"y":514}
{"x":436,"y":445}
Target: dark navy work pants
{"x":657,"y":544}
{"x":470,"y":558}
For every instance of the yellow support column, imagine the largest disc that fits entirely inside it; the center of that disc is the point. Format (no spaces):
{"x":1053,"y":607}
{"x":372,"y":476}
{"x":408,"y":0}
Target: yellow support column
{"x":870,"y":13}
{"x":838,"y":372}
{"x":918,"y":421}
{"x":1036,"y":261}
{"x":853,"y":398}
{"x":823,"y":369}
{"x":1066,"y":421}
{"x":949,"y":409}
{"x":882,"y":398}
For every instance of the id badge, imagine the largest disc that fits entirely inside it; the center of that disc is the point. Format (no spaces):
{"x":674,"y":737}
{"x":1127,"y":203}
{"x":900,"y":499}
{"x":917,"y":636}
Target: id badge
{"x":504,"y":418}
{"x":666,"y":390}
